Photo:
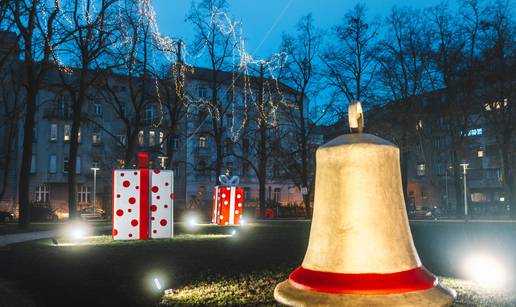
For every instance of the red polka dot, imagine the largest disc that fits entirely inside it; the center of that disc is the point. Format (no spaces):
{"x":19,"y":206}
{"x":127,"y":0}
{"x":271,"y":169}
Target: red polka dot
{"x":163,"y":222}
{"x":129,"y":210}
{"x":166,"y":184}
{"x":154,"y":231}
{"x":130,"y":235}
{"x":156,"y":171}
{"x":132,"y":200}
{"x":158,"y":197}
{"x":166,"y":206}
{"x":155,"y":189}
{"x":115,"y":232}
{"x":137,"y":187}
{"x":117,"y":195}
{"x":126,"y":183}
{"x":171,"y":195}
{"x":134,"y":223}
{"x":154,"y":208}
{"x":119,"y":212}
{"x":136,"y":173}
{"x":122,"y":174}
{"x":153,"y":218}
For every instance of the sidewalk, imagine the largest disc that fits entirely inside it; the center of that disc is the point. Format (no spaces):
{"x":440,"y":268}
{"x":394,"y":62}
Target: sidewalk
{"x":37,"y":235}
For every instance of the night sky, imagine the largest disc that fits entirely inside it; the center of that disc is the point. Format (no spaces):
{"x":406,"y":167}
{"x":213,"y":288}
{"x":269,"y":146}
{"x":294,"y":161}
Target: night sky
{"x":264,"y":21}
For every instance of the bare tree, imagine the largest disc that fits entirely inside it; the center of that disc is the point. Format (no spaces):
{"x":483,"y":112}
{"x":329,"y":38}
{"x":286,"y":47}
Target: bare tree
{"x":402,"y":66}
{"x":219,"y":45}
{"x":498,"y":68}
{"x":351,"y":61}
{"x":37,"y":42}
{"x":301,"y":72}
{"x":89,"y":29}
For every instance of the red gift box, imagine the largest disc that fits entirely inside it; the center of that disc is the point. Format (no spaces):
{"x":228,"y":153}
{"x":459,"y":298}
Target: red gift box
{"x":228,"y":205}
{"x":142,"y":202}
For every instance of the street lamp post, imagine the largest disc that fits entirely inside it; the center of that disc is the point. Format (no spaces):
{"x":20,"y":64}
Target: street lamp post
{"x":95,"y":169}
{"x":446,"y":185}
{"x":464,"y":171}
{"x":162,"y":161}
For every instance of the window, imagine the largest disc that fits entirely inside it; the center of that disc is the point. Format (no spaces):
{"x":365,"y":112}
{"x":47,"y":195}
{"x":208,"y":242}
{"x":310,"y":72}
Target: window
{"x":202,"y":142}
{"x":78,"y":165}
{"x":52,"y":164}
{"x":122,"y":139}
{"x":419,"y":124}
{"x":53,"y":132}
{"x":277,"y":194}
{"x":475,"y":132}
{"x":63,"y":107}
{"x":175,"y":143}
{"x":67,"y":133}
{"x":150,"y":113}
{"x":96,"y":137}
{"x":33,"y":164}
{"x":420,"y":169}
{"x":152,"y":137}
{"x":161,"y":139}
{"x":79,"y":135}
{"x":140,"y":138}
{"x":98,"y":109}
{"x":493,"y":173}
{"x":66,"y":165}
{"x":203,"y":92}
{"x":83,"y":194}
{"x":479,"y":197}
{"x":480,"y":153}
{"x":41,"y":194}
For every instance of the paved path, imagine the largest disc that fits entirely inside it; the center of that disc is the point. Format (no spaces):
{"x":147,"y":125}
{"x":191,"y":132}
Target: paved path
{"x":37,"y":235}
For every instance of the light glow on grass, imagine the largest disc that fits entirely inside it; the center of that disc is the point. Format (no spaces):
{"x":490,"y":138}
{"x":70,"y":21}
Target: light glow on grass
{"x":233,"y":232}
{"x":192,"y":221}
{"x":485,"y":269}
{"x":76,"y":231}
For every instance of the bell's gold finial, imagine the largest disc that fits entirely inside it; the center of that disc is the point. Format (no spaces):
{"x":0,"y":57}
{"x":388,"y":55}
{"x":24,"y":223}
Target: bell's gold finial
{"x":356,"y":117}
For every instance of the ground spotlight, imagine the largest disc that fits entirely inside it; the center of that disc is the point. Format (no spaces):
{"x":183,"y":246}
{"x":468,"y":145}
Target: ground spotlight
{"x":242,"y":222}
{"x":191,"y":221}
{"x":233,"y":232}
{"x":485,"y":270}
{"x":157,"y":284}
{"x":77,"y":230}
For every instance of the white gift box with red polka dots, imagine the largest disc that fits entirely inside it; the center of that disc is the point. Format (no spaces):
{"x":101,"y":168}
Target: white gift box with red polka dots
{"x":142,"y":204}
{"x":228,"y":205}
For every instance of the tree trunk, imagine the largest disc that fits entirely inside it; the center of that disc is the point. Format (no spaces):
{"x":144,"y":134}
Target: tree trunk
{"x":28,"y":138}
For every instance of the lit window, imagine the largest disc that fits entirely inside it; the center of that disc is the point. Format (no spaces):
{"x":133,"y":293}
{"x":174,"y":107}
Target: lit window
{"x":475,"y":132}
{"x":140,"y":138}
{"x":421,"y":169}
{"x":52,"y":164}
{"x":83,"y":194}
{"x":96,"y":137}
{"x":161,"y":139}
{"x":41,"y":194}
{"x":53,"y":132}
{"x":480,"y":153}
{"x":152,"y":137}
{"x":79,"y":135}
{"x":67,"y":133}
{"x":98,"y":109}
{"x":202,"y":142}
{"x":419,"y":125}
{"x":122,"y":139}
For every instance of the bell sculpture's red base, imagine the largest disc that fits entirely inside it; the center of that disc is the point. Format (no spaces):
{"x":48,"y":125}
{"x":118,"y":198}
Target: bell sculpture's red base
{"x":416,"y":287}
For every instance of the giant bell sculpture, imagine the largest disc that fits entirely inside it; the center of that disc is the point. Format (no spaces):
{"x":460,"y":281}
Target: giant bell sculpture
{"x":360,"y":251}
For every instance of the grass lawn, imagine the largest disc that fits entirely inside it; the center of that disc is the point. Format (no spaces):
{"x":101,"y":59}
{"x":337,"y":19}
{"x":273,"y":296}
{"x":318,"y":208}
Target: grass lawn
{"x":209,"y":266}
